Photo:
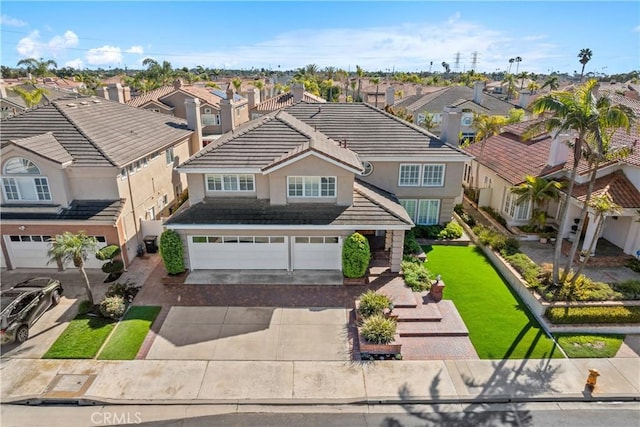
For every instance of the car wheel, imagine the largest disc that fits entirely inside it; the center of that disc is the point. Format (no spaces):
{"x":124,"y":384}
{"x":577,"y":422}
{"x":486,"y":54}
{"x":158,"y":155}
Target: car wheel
{"x":22,"y":334}
{"x":55,"y":298}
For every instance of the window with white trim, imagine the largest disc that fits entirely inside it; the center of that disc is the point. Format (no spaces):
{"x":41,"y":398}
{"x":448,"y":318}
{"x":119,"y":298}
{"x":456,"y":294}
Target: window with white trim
{"x":230,"y":182}
{"x":520,"y":212}
{"x":467,"y":172}
{"x":433,"y":175}
{"x":409,"y":175}
{"x":422,"y":211}
{"x":21,"y":184}
{"x":169,"y":156}
{"x":311,"y":186}
{"x":411,"y":206}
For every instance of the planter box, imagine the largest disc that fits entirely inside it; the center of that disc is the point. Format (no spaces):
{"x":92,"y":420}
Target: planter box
{"x":356,"y":281}
{"x":175,"y":279}
{"x":366,"y":347}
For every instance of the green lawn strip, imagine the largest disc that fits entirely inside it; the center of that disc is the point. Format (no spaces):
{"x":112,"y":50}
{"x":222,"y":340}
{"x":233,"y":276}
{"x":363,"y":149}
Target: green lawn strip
{"x":82,"y":338}
{"x":499,"y":323}
{"x":590,"y":346}
{"x":126,"y":340}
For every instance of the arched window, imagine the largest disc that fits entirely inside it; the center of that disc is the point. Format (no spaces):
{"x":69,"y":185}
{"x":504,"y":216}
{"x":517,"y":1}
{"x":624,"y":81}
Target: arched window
{"x":20,"y":181}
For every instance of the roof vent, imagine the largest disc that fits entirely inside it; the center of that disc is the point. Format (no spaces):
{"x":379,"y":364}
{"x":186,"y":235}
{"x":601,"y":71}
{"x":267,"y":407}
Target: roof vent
{"x":84,"y":103}
{"x":72,"y":105}
{"x":95,"y":101}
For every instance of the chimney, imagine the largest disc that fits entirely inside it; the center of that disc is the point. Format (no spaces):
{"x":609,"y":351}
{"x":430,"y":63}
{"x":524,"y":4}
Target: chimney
{"x":177,"y":84}
{"x":102,"y":92}
{"x":126,"y":93}
{"x":390,"y":96}
{"x":3,"y":89}
{"x":478,"y":87}
{"x":253,"y":97}
{"x":559,"y":150}
{"x":524,"y":99}
{"x":450,"y":128}
{"x":419,"y":90}
{"x":194,"y":123}
{"x":226,"y":114}
{"x":298,"y":92}
{"x":115,"y":92}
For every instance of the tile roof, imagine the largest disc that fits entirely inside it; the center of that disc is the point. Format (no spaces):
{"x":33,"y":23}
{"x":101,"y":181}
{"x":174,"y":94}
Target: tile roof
{"x":367,"y":209}
{"x":78,"y":210}
{"x":283,"y":100}
{"x":45,"y":145}
{"x":436,"y":101}
{"x":152,"y":95}
{"x":371,"y":132}
{"x":98,"y":132}
{"x":616,"y":185}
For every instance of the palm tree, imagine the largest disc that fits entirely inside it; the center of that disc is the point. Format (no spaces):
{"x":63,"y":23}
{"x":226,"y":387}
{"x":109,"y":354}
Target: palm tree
{"x":259,"y":84}
{"x":429,"y":121}
{"x":486,"y":126}
{"x":376,"y":81}
{"x":511,"y":61}
{"x":69,"y":247}
{"x":533,"y":87}
{"x":585,"y":56}
{"x":30,"y":98}
{"x":360,"y":73}
{"x":237,"y":84}
{"x":601,"y":205}
{"x":517,"y":60}
{"x":38,"y":68}
{"x":552,"y":82}
{"x":537,"y":191}
{"x":510,"y":81}
{"x":591,"y":119}
{"x":446,"y":67}
{"x":311,"y":69}
{"x":522,"y":76}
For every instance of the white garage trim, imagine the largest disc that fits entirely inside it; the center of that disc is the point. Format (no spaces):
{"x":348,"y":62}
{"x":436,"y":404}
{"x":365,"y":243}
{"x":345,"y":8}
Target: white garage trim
{"x":317,"y":253}
{"x":238,"y":252}
{"x":30,"y":251}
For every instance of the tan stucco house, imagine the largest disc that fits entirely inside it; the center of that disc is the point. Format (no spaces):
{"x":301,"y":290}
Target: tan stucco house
{"x":283,"y":191}
{"x":87,"y":164}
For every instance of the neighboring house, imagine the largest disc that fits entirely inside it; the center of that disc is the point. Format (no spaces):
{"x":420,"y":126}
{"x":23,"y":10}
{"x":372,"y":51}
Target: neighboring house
{"x":283,"y":100}
{"x":12,"y":104}
{"x":220,"y":111}
{"x":466,"y":100}
{"x":507,"y":158}
{"x":283,"y":191}
{"x":87,"y":164}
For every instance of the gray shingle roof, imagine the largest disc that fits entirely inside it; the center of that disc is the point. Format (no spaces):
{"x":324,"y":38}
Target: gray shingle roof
{"x":370,"y":207}
{"x":78,"y":210}
{"x":98,"y":132}
{"x":283,"y":100}
{"x":436,"y":101}
{"x":45,"y":145}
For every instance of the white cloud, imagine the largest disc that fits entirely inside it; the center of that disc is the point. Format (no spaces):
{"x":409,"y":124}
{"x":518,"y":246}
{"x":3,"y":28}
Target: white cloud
{"x":77,"y":63}
{"x":636,"y":29}
{"x":32,"y":46}
{"x":11,"y":22}
{"x":105,"y":55}
{"x":135,"y":49}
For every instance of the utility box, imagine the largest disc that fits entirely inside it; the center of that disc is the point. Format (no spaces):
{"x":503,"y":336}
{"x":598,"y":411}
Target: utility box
{"x":150,"y":244}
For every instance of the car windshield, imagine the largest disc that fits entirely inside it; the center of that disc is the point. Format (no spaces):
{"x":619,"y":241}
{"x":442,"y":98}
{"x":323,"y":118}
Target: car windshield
{"x":7,"y":298}
{"x":36,"y":283}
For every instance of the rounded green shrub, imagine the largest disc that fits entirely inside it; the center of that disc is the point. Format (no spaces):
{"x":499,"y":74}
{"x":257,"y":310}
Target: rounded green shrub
{"x":112,"y":307}
{"x":372,"y":303}
{"x":172,"y":252}
{"x":108,"y":252}
{"x":355,"y":256}
{"x":113,"y":266}
{"x":379,"y":329}
{"x":452,"y":230}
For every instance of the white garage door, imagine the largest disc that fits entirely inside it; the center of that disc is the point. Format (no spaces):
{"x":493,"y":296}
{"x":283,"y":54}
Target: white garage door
{"x":317,"y":253}
{"x":30,"y":251}
{"x":238,"y":252}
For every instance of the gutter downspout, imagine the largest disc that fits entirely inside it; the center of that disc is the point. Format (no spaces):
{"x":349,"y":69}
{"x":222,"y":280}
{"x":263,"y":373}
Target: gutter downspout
{"x":133,"y":211}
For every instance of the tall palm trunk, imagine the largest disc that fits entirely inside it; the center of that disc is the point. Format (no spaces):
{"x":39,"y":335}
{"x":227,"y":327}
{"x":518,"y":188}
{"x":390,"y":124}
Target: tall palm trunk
{"x":564,"y":212}
{"x":583,"y":215}
{"x":87,"y":285}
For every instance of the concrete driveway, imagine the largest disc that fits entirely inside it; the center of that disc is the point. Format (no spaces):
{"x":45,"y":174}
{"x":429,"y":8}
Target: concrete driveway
{"x":252,"y":333}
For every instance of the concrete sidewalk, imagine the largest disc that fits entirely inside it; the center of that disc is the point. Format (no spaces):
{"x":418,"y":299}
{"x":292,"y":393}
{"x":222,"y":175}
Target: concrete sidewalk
{"x":304,"y":382}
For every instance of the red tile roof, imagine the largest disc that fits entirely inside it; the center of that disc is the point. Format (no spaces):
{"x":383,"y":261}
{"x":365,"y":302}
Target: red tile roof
{"x":616,"y":185}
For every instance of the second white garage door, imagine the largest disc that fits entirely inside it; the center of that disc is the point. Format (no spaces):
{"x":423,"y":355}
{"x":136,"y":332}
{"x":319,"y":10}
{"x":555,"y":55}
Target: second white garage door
{"x":238,"y":252}
{"x":317,"y":253}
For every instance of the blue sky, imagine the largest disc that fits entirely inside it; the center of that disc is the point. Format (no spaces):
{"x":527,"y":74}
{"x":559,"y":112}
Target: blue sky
{"x":377,"y":35}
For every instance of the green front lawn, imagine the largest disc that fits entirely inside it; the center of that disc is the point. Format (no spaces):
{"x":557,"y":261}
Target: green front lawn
{"x":130,"y":333}
{"x":590,"y":346}
{"x":82,"y":338}
{"x":500,"y":325}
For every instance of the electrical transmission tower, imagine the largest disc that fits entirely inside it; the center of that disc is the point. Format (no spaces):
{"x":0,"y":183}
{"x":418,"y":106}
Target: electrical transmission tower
{"x":474,"y":60}
{"x":456,"y":61}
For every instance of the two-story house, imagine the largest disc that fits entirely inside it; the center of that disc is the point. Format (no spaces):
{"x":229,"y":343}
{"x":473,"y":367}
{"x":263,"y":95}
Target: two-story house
{"x":283,"y":191}
{"x":87,"y":164}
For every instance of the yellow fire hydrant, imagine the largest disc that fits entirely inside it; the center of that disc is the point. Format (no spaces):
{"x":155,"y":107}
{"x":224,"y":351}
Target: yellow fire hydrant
{"x":592,"y":379}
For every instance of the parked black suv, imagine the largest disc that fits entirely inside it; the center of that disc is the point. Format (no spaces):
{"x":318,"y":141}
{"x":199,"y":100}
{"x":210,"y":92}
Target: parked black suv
{"x":23,"y":304}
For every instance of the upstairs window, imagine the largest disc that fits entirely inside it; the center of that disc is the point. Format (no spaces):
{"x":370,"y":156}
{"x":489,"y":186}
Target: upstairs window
{"x":311,"y":186}
{"x":428,"y":175}
{"x":433,"y":175}
{"x":230,"y":182}
{"x":21,"y":181}
{"x":170,"y":156}
{"x":409,"y":175}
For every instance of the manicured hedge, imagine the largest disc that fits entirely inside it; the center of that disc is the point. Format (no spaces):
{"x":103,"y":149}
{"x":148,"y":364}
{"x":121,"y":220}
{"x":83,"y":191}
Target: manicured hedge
{"x":356,"y":255}
{"x":529,"y":270}
{"x":416,"y":276}
{"x":172,"y":252}
{"x":605,"y":314}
